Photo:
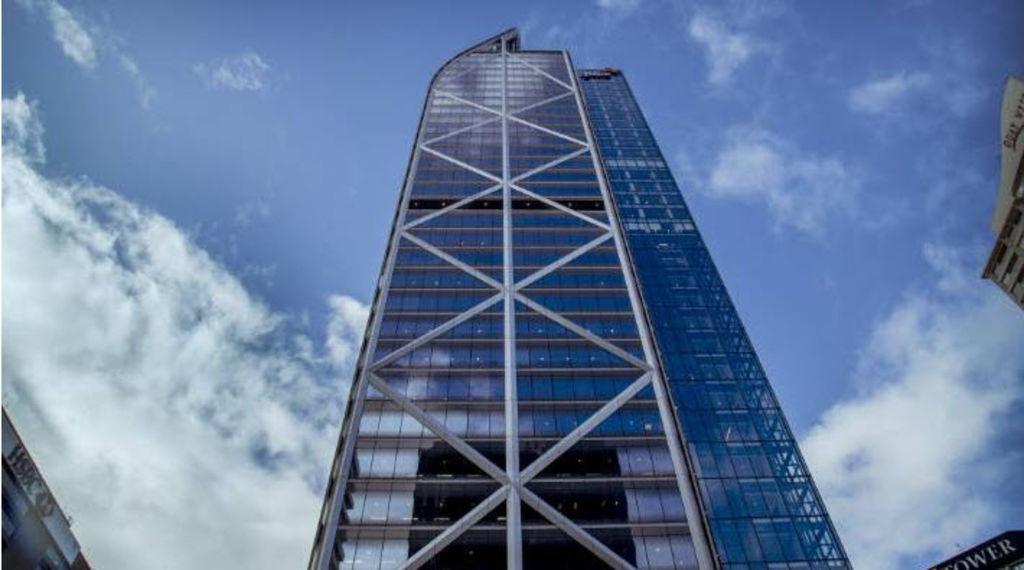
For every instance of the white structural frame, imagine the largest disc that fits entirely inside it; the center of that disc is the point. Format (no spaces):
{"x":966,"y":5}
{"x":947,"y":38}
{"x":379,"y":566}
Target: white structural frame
{"x":512,"y":478}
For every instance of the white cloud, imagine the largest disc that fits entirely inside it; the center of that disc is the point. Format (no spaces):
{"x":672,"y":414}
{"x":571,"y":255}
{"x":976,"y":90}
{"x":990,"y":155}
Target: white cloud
{"x":74,"y":41}
{"x":802,"y":190}
{"x":725,"y":51}
{"x":181,"y":422}
{"x":345,"y":329}
{"x":883,"y":95}
{"x":619,"y":5}
{"x":142,"y":86}
{"x":22,"y":131}
{"x":82,"y":41}
{"x":244,"y":72}
{"x":906,"y":466}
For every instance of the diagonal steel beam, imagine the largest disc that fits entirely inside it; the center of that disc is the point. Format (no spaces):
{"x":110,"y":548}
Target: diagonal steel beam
{"x":459,"y":73}
{"x":454,"y":531}
{"x":437,"y":331}
{"x":544,"y":73}
{"x":703,"y":546}
{"x":542,"y":103}
{"x":575,"y":254}
{"x":583,"y":429}
{"x":498,"y":118}
{"x":452,"y":206}
{"x":642,"y":365}
{"x":548,"y":165}
{"x":431,"y":423}
{"x":461,"y":130}
{"x":562,"y":207}
{"x":548,"y":131}
{"x":454,"y":261}
{"x":466,"y":102}
{"x":572,"y":529}
{"x":462,"y":164}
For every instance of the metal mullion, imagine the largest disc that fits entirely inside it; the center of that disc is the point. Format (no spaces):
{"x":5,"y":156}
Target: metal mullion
{"x":703,"y":547}
{"x":468,"y":102}
{"x":436,"y":332}
{"x":562,"y":261}
{"x":461,"y":130}
{"x":562,"y":207}
{"x":431,"y":423}
{"x":451,"y":533}
{"x":453,"y":260}
{"x":545,"y":74}
{"x":553,"y":163}
{"x":513,"y":531}
{"x":583,"y":429}
{"x":642,"y":365}
{"x":547,"y":130}
{"x":575,"y":531}
{"x":461,"y":164}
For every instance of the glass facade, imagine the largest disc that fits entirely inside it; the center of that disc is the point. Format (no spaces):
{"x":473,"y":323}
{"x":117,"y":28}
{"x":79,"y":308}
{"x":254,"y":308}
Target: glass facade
{"x":509,"y":408}
{"x":761,"y":506}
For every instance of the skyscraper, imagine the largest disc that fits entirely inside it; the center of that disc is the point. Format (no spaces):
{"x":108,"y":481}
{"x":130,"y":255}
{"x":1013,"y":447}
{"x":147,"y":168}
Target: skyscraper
{"x":553,"y":375}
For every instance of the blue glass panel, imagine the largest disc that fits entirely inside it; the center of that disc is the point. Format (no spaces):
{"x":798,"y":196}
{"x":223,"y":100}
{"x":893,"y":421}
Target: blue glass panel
{"x":761,"y":505}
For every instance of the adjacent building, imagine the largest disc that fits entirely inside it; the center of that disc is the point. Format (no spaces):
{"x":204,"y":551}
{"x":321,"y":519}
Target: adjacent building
{"x":553,"y":375}
{"x":36,"y":534}
{"x":1005,"y":266}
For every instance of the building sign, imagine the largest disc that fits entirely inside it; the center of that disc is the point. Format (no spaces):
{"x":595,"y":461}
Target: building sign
{"x":995,"y":553}
{"x":29,"y":479}
{"x":1012,"y":145}
{"x":27,"y":476}
{"x":1013,"y":116}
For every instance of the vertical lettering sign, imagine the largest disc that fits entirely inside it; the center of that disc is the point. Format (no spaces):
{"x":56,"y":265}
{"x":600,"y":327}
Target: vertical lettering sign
{"x":1014,"y":122}
{"x":1012,"y":119}
{"x":28,"y":476}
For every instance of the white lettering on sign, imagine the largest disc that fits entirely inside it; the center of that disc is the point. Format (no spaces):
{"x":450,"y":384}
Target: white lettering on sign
{"x":26,"y":473}
{"x":978,"y":559}
{"x":1014,"y":129}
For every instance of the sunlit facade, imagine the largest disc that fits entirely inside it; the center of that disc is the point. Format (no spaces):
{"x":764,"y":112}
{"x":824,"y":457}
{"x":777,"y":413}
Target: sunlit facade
{"x":514,"y":404}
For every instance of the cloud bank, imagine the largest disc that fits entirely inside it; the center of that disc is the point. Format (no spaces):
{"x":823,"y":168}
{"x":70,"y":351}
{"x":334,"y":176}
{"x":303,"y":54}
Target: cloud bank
{"x":801,"y":189}
{"x":908,"y":467}
{"x":181,"y":422}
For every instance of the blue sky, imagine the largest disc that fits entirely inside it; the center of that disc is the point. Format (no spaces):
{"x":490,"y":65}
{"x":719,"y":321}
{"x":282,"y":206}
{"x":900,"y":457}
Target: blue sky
{"x":197,"y":197}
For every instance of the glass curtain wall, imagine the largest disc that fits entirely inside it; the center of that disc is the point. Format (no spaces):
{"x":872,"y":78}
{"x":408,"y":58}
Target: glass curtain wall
{"x":506,"y":411}
{"x":761,"y":505}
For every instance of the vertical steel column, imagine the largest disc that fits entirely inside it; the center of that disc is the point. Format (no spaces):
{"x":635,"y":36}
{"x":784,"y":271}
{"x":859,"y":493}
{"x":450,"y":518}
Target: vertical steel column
{"x":322,"y":554}
{"x":694,"y":517}
{"x":514,"y":537}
